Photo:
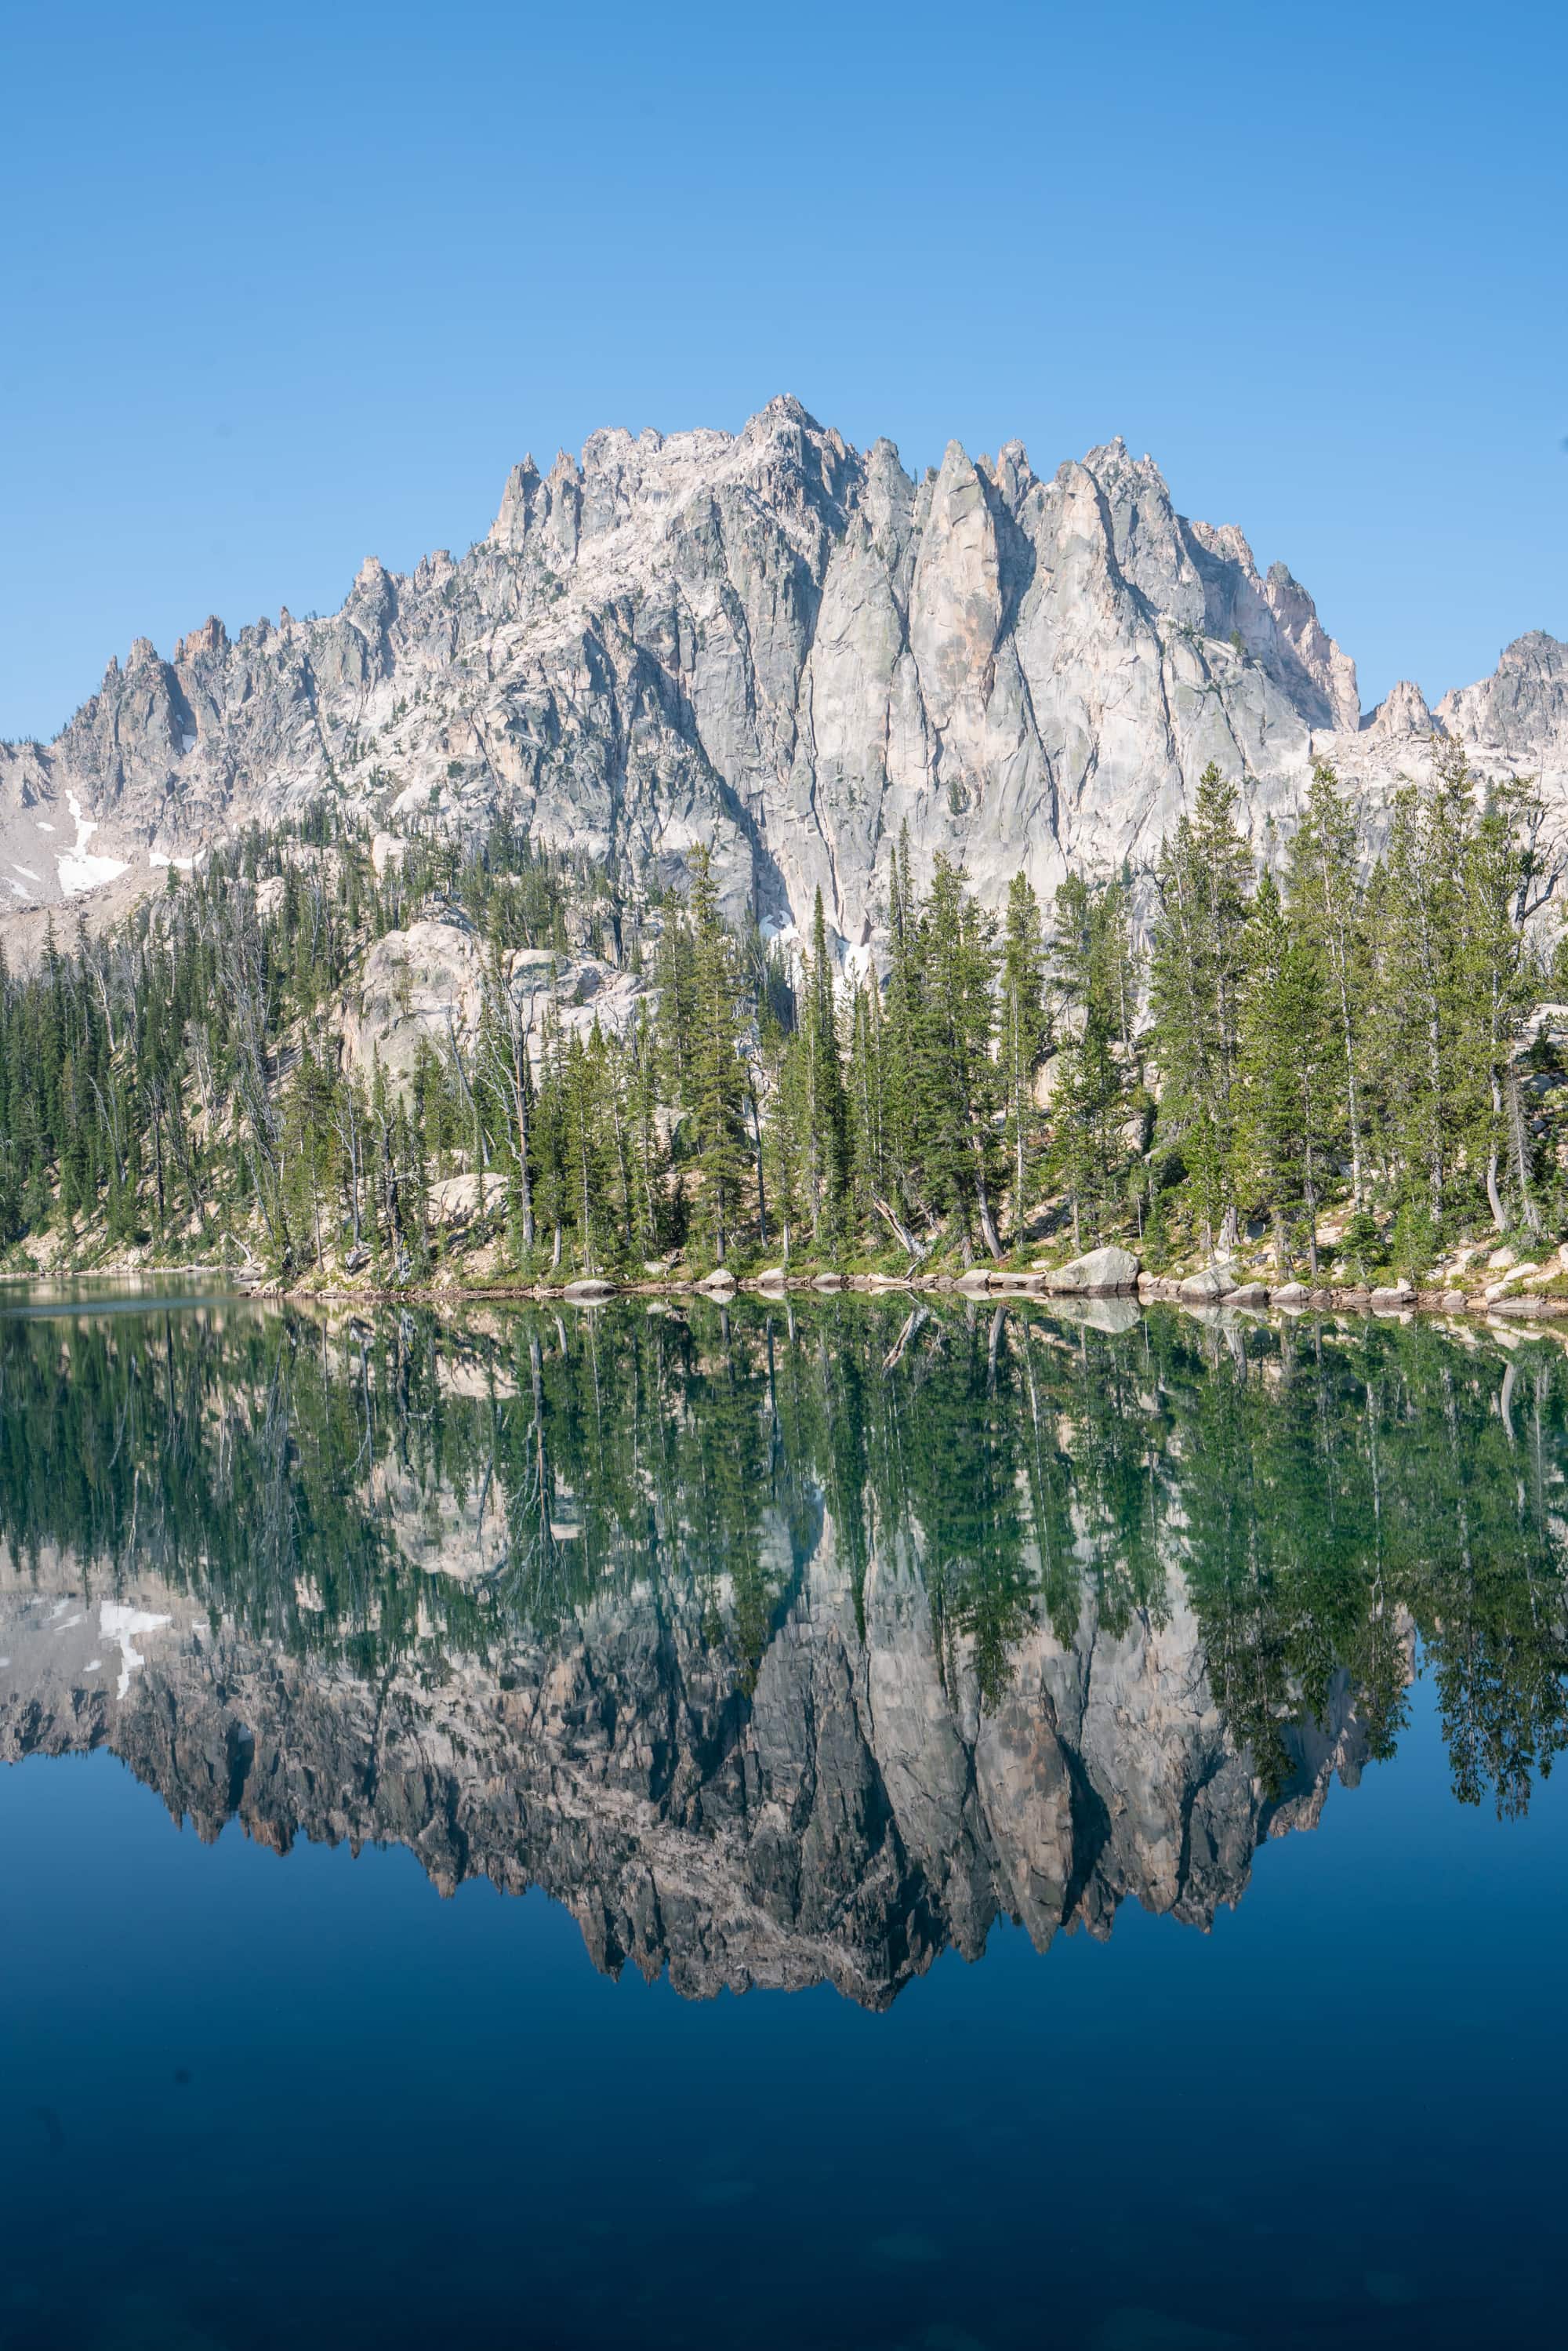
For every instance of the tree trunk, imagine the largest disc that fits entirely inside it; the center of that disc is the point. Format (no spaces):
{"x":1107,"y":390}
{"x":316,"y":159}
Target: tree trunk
{"x":906,"y":1239}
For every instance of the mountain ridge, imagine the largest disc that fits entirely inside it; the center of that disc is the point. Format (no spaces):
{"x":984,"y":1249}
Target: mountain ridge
{"x":776,"y":645}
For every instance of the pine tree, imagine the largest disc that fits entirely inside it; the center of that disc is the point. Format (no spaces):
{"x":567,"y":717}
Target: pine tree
{"x":1024,"y":1034}
{"x":1197,"y":969}
{"x":1091,"y":1104}
{"x":956,"y":1083}
{"x":1323,"y":892}
{"x":1506,"y":882}
{"x":1420,"y":982}
{"x":828,"y":1109}
{"x":714,"y":1072}
{"x":1286,"y":1068}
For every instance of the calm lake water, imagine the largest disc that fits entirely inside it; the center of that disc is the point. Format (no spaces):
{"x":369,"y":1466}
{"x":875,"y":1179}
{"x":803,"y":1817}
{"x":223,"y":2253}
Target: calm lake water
{"x":1112,"y":1757}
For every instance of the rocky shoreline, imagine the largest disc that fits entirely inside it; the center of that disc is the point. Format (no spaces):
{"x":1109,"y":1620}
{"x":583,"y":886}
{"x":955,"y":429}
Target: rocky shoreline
{"x":1109,"y":1274}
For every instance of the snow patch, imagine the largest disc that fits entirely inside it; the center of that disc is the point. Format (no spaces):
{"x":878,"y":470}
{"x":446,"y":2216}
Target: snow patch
{"x":78,"y":871}
{"x":44,"y":828}
{"x":125,"y":1626}
{"x":181,"y":865}
{"x":22,"y":890}
{"x":28,"y":872}
{"x":187,"y":742}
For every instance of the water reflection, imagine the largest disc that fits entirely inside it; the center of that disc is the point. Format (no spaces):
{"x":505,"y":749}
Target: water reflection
{"x":781,"y":1644}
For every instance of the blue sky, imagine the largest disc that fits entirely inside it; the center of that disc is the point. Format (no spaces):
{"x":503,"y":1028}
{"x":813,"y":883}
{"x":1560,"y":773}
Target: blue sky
{"x":284,"y":286}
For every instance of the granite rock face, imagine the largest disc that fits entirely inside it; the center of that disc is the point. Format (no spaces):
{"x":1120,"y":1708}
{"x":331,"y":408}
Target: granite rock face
{"x":842,"y":1816}
{"x":777,"y":644}
{"x":422,"y":990}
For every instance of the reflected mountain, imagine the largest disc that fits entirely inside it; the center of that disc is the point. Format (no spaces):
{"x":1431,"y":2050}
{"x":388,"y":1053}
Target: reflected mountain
{"x":781,"y":1644}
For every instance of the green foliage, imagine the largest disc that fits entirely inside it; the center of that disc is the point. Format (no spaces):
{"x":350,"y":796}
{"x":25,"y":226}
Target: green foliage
{"x":1097,"y":975}
{"x":1351,"y":1035}
{"x":1316,"y":1509}
{"x":1198,"y":977}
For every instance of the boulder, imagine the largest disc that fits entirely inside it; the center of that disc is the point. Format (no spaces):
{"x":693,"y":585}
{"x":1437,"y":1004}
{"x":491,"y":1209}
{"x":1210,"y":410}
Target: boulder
{"x":1392,"y":1297}
{"x":1215,"y":1281}
{"x":1453,"y":1301}
{"x":587,"y":1288}
{"x":720,"y":1279}
{"x":1292,"y":1295}
{"x":1099,"y":1273}
{"x":1247,"y":1293}
{"x":1024,"y":1281}
{"x":829,"y":1281}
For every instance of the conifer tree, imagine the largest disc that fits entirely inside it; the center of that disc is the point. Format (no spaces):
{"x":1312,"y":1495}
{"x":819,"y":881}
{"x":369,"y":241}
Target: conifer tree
{"x":714,"y":1072}
{"x":956,"y":1083}
{"x":1420,"y":981}
{"x":1091,"y":1104}
{"x":1197,"y":973}
{"x":1024,"y":1032}
{"x":1286,"y":1063}
{"x":828,"y":1109}
{"x":1323,"y":894}
{"x":1506,"y":882}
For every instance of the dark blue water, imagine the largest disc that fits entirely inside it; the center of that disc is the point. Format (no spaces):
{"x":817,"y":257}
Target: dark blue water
{"x":253,"y":2099}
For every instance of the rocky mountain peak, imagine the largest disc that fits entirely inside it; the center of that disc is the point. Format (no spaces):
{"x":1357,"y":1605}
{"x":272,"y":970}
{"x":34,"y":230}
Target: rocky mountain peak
{"x":206,"y":644}
{"x":771,"y":644}
{"x":1522,"y":708}
{"x":1403,"y":712}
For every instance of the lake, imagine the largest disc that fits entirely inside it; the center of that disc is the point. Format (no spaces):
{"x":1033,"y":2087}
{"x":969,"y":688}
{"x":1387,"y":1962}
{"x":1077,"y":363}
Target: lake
{"x":849,"y":1822}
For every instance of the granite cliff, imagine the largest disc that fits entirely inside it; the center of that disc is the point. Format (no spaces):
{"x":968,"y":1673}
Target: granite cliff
{"x":845,"y":1820}
{"x":778,"y":644}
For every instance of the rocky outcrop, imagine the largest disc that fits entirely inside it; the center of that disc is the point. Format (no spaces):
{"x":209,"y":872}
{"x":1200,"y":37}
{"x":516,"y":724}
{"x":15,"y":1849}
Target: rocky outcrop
{"x":422,"y":992}
{"x":775,"y":644}
{"x":1401,"y":716}
{"x":842,"y":1816}
{"x":1521,"y":710}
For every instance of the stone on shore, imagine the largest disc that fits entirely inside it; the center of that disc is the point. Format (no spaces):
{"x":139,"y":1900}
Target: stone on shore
{"x":587,"y":1288}
{"x":1099,"y":1273}
{"x":1206,"y":1289}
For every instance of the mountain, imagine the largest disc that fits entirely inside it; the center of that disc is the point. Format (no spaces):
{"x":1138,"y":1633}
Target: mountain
{"x":776,"y":643}
{"x":843,"y":1822}
{"x":783,"y":1641}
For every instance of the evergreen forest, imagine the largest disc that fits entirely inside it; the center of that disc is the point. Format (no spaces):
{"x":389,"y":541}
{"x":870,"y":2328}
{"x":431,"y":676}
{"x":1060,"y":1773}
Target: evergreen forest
{"x":1342,"y":1055}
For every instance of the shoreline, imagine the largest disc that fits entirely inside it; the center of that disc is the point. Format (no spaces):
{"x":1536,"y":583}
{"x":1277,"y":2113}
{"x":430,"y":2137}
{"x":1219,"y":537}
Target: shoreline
{"x":1247,"y":1297}
{"x":983,"y":1283}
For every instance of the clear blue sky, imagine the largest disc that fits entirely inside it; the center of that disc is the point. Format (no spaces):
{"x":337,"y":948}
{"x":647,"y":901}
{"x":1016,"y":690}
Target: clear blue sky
{"x":283,"y":287}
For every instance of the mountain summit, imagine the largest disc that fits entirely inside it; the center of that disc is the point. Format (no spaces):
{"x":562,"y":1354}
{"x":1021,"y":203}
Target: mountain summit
{"x":774,"y":644}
